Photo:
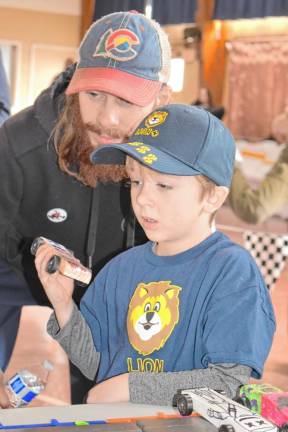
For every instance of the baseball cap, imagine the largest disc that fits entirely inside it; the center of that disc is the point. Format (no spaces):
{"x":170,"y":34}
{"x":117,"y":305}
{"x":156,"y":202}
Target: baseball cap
{"x":125,"y":54}
{"x":178,"y":139}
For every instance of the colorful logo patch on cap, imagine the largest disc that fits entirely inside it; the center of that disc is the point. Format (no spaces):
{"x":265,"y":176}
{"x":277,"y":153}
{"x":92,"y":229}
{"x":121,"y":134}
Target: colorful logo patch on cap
{"x":156,"y":118}
{"x":117,"y":45}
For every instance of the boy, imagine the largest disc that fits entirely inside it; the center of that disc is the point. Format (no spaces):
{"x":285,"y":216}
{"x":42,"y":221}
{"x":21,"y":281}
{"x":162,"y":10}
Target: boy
{"x":187,"y":309}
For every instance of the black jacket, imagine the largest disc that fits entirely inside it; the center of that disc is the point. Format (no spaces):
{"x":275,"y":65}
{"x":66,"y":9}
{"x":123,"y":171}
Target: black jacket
{"x":32,"y":185}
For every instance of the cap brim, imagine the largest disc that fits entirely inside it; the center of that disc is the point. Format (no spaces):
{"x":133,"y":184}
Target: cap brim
{"x":134,"y":89}
{"x":157,"y":160}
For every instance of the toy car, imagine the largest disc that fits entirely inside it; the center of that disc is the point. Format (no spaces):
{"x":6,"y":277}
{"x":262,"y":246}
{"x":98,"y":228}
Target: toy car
{"x":224,"y":413}
{"x":269,"y":401}
{"x":251,"y":395}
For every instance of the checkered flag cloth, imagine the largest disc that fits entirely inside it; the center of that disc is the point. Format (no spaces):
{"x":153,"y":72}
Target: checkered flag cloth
{"x":269,"y":251}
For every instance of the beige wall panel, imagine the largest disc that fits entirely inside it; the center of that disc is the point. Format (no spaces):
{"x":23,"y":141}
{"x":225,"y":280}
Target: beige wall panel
{"x":29,"y":28}
{"x":190,"y":54}
{"x":33,"y":27}
{"x":191,"y":77}
{"x":47,"y":61}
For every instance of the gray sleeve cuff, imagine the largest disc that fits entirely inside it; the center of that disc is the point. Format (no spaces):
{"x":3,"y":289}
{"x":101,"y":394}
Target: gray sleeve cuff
{"x":159,"y":388}
{"x":76,"y":340}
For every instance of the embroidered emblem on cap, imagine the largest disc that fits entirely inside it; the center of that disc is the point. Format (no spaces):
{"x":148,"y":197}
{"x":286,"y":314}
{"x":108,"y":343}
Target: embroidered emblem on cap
{"x":149,"y":158}
{"x":153,"y":120}
{"x":147,"y":131}
{"x":57,"y":215}
{"x":117,"y":45}
{"x":156,"y":118}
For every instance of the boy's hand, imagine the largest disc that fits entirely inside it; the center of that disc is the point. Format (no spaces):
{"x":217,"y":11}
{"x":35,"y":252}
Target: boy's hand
{"x":59,"y":288}
{"x":114,"y":389}
{"x":4,"y":400}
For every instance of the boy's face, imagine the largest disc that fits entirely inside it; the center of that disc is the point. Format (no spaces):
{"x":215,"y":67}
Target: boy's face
{"x":108,"y":118}
{"x":170,"y":209}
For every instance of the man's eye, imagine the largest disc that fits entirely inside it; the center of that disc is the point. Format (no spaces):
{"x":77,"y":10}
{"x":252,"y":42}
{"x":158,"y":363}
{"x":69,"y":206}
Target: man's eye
{"x":124,"y":102}
{"x":93,"y":94}
{"x":164,"y":186}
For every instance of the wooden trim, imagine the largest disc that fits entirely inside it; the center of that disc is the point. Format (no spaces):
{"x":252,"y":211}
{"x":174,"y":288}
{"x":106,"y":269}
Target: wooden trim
{"x":87,"y":12}
{"x":204,"y":11}
{"x":203,"y":14}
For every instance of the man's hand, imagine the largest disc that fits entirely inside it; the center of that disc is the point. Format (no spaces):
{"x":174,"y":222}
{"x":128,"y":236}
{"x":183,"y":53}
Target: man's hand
{"x":114,"y":389}
{"x":4,"y":401}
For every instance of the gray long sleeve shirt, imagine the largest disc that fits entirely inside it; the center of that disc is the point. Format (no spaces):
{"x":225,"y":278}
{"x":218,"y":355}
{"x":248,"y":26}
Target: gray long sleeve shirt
{"x":144,"y":387}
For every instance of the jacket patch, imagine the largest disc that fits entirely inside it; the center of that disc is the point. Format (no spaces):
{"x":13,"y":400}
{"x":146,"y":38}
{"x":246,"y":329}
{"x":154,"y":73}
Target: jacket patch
{"x":57,"y":215}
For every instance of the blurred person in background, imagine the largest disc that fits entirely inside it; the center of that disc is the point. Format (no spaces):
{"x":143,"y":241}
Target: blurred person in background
{"x":255,"y":205}
{"x":205,"y":101}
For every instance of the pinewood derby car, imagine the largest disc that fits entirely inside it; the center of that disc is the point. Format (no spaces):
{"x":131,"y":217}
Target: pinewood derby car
{"x":267,"y":400}
{"x":226,"y":414}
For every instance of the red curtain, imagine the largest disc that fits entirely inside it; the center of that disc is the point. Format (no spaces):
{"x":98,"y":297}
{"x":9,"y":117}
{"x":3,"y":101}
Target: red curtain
{"x":257,"y":85}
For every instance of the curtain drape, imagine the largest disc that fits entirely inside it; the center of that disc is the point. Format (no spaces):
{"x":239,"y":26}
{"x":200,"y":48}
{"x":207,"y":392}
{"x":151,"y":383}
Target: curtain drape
{"x":174,"y":12}
{"x":257,"y":86}
{"x":104,"y":7}
{"x":228,"y":9}
{"x":164,"y":11}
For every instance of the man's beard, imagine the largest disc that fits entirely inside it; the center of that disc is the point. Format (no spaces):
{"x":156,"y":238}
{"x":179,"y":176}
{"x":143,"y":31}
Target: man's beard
{"x":89,"y":173}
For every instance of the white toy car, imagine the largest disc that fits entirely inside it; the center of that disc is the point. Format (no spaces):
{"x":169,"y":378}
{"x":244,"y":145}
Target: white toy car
{"x":221,"y":411}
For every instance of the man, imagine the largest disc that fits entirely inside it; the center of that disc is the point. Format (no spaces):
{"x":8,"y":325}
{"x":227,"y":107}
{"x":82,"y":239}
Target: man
{"x":4,"y":93}
{"x":49,"y":186}
{"x":256,"y":205}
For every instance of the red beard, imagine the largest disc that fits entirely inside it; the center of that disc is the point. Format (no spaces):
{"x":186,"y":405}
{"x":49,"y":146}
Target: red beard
{"x":74,"y":148}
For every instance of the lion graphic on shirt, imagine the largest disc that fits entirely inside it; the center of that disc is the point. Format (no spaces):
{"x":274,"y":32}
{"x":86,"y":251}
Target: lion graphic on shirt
{"x":152,"y":315}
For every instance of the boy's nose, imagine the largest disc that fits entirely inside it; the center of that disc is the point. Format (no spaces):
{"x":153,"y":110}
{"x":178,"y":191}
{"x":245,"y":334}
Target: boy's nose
{"x":145,"y":196}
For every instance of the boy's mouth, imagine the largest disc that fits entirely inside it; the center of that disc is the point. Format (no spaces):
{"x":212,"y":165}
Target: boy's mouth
{"x":149,"y":220}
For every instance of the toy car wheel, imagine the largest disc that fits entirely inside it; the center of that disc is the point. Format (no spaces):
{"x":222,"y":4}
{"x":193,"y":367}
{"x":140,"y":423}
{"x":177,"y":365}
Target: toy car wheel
{"x":185,"y":405}
{"x":243,"y":400}
{"x":175,"y":400}
{"x":226,"y":428}
{"x":283,"y":428}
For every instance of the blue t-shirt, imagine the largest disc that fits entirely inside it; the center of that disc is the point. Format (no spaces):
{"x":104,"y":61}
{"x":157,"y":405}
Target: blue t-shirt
{"x":152,"y":313}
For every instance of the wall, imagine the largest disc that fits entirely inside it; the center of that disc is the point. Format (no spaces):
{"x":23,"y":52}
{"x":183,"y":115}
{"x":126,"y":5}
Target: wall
{"x":191,"y":55}
{"x":43,"y":41}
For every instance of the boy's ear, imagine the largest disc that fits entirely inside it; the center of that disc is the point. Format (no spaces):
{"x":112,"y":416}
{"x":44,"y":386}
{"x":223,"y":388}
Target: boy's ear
{"x":215,"y":199}
{"x":164,"y":96}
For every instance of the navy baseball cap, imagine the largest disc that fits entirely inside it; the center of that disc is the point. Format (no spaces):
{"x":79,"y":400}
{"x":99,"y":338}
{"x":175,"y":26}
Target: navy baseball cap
{"x":178,"y":139}
{"x":125,"y":54}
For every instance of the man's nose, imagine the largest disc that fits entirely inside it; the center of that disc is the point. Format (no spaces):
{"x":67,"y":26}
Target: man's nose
{"x":109,"y":116}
